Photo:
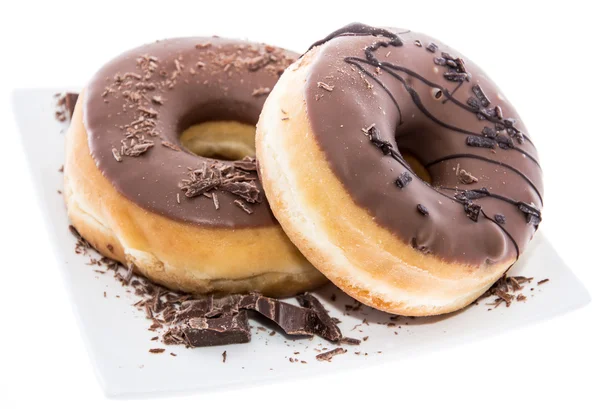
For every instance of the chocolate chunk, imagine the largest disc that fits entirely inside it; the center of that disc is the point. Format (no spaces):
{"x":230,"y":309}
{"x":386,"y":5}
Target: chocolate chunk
{"x":472,"y":211}
{"x":224,"y":330}
{"x":480,"y":142}
{"x":432,"y":47}
{"x":403,"y":180}
{"x":291,"y":319}
{"x":478,"y":91}
{"x":439,"y":61}
{"x":500,"y":218}
{"x":418,"y":43}
{"x":423,"y":210}
{"x":325,"y":327}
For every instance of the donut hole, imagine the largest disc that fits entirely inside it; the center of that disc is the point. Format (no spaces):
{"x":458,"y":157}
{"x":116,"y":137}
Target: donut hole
{"x":222,"y":140}
{"x":221,"y":129}
{"x":416,"y":165}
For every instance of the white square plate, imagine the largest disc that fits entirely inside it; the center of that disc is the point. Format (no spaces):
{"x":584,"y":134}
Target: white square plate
{"x":117,"y":335}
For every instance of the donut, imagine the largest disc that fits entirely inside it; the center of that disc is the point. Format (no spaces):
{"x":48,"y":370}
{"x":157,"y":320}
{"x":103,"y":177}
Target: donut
{"x":399,"y":169}
{"x":160,"y":174}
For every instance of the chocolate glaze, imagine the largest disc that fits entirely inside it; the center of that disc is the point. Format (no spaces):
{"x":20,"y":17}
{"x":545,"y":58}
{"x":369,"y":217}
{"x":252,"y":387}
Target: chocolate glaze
{"x":191,"y":80}
{"x":398,"y":91}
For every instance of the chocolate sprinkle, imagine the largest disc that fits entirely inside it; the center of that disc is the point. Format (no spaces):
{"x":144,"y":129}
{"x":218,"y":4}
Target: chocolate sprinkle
{"x":403,"y":180}
{"x":472,"y":211}
{"x":500,"y":219}
{"x":480,"y":142}
{"x":478,"y":91}
{"x":423,"y":210}
{"x":432,"y":47}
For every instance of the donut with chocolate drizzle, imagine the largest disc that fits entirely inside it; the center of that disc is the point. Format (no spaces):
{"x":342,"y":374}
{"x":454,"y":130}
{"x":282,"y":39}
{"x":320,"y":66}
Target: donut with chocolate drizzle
{"x":160,"y":173}
{"x":429,"y":186}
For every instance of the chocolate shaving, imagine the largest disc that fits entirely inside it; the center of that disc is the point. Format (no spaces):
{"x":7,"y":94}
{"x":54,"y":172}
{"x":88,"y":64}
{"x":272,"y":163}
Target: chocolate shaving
{"x":156,"y":350}
{"x":117,"y":155}
{"x":545,"y":280}
{"x":170,"y":145}
{"x":350,"y":341}
{"x":325,"y":86}
{"x":259,"y":92}
{"x":247,"y":164}
{"x":229,"y":178}
{"x":505,"y":290}
{"x":243,"y":206}
{"x":466,"y":178}
{"x":326,"y":356}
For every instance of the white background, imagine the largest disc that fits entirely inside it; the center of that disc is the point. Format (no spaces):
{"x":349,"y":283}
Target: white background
{"x":545,"y":59}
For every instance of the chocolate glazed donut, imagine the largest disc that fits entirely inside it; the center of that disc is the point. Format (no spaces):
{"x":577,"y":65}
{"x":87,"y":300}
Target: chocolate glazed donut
{"x":138,"y":188}
{"x":434,"y":181}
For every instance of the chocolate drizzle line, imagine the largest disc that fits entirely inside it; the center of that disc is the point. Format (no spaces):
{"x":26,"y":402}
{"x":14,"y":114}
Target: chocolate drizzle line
{"x":479,"y":105}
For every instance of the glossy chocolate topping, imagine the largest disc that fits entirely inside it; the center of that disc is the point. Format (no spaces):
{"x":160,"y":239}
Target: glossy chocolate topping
{"x":373,"y":94}
{"x":137,"y":105}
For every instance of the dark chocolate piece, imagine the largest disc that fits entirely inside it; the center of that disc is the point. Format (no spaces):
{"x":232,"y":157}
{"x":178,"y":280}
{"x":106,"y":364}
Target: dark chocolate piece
{"x":423,"y":210}
{"x":291,"y":319}
{"x":325,"y":327}
{"x":223,"y":330}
